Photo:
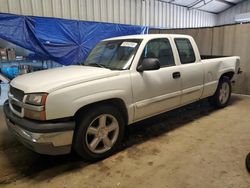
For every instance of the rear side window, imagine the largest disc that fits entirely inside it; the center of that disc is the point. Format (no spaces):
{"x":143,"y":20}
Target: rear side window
{"x":185,"y":50}
{"x":160,"y":49}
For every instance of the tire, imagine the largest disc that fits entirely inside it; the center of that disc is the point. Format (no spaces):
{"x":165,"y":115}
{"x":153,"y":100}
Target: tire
{"x":222,"y":95}
{"x":248,"y":162}
{"x":99,"y":132}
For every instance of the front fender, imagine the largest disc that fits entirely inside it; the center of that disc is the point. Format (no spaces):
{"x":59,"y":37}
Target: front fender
{"x":59,"y":108}
{"x":97,"y":97}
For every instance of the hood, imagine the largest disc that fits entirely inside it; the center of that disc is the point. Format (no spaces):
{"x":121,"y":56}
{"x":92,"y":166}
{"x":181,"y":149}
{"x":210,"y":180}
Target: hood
{"x":53,"y":79}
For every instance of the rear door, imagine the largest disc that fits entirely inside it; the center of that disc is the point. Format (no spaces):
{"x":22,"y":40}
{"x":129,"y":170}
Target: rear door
{"x":157,"y":91}
{"x":191,"y":70}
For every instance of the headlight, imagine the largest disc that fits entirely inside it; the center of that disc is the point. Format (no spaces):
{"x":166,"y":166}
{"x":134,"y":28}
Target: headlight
{"x":36,"y":99}
{"x":36,"y":108}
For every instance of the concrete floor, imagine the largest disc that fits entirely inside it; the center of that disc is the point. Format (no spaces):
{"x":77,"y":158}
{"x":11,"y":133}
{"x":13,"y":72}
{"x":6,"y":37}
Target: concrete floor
{"x":194,"y":146}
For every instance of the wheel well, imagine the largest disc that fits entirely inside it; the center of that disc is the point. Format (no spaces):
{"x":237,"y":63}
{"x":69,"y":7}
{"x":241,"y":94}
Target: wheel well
{"x":228,"y":74}
{"x":116,"y":102}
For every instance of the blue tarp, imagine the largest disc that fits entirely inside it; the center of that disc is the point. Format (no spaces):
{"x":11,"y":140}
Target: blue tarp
{"x":64,"y":41}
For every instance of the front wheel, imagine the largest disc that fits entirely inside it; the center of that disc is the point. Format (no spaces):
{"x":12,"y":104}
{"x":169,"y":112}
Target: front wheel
{"x":99,"y":132}
{"x":223,"y":93}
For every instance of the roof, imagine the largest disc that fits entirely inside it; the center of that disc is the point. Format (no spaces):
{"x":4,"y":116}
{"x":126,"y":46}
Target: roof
{"x":212,"y":6}
{"x":148,"y":36}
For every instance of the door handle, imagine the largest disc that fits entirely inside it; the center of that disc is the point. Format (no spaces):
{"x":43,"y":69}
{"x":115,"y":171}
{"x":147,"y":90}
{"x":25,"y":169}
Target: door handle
{"x":176,"y":75}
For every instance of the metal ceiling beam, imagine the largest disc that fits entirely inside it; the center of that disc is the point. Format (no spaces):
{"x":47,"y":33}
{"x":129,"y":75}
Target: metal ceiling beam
{"x":173,"y":3}
{"x":195,"y":3}
{"x":190,"y":6}
{"x":205,"y":3}
{"x":232,"y":4}
{"x":226,"y":2}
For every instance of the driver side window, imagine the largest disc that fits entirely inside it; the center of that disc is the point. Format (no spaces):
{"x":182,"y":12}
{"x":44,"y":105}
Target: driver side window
{"x":160,"y":49}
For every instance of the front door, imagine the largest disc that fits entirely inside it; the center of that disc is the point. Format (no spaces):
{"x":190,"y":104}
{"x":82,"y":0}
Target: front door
{"x":156,"y":91}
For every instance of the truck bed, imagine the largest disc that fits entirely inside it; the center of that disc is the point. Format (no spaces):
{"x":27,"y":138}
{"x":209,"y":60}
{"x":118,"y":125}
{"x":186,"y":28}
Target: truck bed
{"x":203,"y":57}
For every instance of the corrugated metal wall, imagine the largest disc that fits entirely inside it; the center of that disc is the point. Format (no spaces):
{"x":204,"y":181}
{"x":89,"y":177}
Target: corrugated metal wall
{"x":138,"y":12}
{"x":227,"y":17}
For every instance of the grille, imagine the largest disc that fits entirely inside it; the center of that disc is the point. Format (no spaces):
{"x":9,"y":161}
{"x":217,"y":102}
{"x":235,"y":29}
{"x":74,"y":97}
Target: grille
{"x":17,"y":108}
{"x":17,"y":93}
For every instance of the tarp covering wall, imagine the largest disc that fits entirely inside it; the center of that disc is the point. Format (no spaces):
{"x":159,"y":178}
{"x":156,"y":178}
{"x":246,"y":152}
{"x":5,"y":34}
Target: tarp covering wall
{"x":64,"y":41}
{"x":224,"y":40}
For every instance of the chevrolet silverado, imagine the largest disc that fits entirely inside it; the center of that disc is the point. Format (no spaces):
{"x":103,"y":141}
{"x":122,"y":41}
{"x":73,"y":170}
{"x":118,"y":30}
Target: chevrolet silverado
{"x":124,"y":80}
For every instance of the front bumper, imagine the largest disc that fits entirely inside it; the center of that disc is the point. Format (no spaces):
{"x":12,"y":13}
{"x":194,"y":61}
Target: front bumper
{"x":42,"y":137}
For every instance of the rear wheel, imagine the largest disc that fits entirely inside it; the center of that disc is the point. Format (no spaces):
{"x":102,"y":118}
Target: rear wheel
{"x":223,"y":93}
{"x":99,"y":132}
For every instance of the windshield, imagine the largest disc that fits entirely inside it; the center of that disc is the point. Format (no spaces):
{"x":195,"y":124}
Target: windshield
{"x":114,"y":55}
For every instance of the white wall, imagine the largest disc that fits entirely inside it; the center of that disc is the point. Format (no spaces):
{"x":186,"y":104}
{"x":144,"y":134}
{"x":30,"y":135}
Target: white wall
{"x":138,"y":12}
{"x":227,"y":17}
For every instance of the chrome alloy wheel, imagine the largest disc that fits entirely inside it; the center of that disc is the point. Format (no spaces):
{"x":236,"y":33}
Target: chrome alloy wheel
{"x":102,"y":133}
{"x":224,"y":93}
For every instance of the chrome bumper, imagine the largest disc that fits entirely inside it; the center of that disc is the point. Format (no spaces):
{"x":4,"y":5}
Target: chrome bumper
{"x":45,"y":142}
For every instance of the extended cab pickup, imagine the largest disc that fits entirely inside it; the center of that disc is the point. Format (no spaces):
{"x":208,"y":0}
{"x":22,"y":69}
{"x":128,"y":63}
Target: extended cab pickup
{"x":123,"y":80}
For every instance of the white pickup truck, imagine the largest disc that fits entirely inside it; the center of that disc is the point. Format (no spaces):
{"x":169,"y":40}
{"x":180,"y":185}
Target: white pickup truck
{"x":124,"y":80}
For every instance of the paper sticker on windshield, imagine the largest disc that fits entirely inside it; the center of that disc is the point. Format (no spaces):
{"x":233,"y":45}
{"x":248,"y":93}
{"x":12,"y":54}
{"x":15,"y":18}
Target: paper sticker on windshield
{"x":129,"y":44}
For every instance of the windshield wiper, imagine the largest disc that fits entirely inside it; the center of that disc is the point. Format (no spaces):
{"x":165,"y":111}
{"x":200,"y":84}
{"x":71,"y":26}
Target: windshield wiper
{"x":102,"y":66}
{"x":97,"y":65}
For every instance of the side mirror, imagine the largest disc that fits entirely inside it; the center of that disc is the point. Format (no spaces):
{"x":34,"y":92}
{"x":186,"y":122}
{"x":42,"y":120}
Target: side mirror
{"x":149,"y":64}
